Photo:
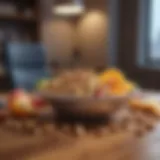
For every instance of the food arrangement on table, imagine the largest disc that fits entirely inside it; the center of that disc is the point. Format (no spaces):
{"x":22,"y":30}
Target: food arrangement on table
{"x":22,"y":103}
{"x":82,"y":98}
{"x":88,"y":83}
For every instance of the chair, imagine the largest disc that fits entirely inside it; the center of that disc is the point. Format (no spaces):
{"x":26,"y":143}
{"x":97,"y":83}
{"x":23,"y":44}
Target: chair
{"x":26,"y":64}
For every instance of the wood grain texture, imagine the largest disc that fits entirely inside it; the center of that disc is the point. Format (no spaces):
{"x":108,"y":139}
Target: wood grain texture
{"x":60,"y":146}
{"x":18,"y":146}
{"x":116,"y":147}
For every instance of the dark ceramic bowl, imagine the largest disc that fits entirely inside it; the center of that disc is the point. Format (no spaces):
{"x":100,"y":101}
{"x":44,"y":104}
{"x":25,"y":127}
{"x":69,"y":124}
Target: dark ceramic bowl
{"x":85,"y":106}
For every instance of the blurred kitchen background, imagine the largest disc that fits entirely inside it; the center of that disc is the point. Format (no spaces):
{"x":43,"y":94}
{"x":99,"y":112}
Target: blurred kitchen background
{"x":95,"y":34}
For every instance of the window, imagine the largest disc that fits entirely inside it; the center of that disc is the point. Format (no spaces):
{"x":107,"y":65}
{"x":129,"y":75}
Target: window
{"x":154,"y":32}
{"x":149,"y":24}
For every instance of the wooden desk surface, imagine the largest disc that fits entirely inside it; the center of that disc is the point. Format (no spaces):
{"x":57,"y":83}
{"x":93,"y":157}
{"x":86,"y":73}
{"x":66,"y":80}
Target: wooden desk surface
{"x":121,"y":146}
{"x":115,"y":146}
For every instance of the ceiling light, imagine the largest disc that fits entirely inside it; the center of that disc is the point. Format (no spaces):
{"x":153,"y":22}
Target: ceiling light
{"x":71,"y":8}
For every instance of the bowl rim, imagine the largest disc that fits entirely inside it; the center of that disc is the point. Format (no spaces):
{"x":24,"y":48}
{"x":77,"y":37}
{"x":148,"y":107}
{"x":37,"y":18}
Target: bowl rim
{"x":51,"y":96}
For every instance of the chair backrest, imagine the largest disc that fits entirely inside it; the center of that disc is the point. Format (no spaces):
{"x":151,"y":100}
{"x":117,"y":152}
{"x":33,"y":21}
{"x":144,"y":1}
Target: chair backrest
{"x":26,"y":64}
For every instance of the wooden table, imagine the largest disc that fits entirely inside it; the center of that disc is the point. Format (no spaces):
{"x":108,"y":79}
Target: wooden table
{"x":122,"y":146}
{"x":113,"y":146}
{"x":58,"y":146}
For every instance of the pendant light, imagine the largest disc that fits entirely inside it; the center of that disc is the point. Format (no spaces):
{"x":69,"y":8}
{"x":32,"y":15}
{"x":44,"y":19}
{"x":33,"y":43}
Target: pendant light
{"x":68,"y":7}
